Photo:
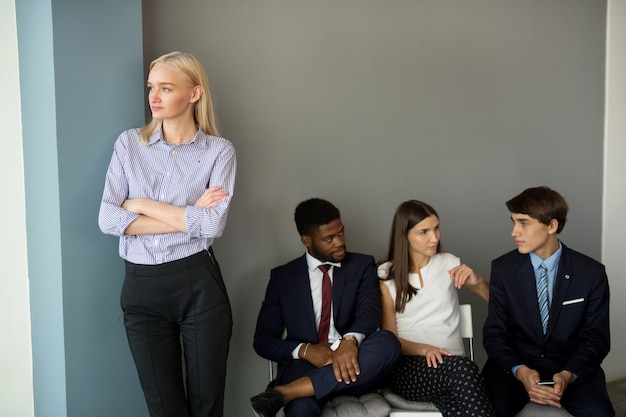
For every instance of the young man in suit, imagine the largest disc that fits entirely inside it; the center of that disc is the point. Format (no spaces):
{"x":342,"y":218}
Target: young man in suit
{"x":552,"y":357}
{"x":330,"y":316}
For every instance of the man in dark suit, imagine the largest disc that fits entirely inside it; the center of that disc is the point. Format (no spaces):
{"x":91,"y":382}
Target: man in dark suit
{"x":322,"y":354}
{"x":552,"y":357}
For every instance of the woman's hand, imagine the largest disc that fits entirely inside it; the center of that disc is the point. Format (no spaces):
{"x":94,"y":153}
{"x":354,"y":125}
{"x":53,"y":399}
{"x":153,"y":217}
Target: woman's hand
{"x":211,"y":197}
{"x":462,"y":274}
{"x":434,"y":355}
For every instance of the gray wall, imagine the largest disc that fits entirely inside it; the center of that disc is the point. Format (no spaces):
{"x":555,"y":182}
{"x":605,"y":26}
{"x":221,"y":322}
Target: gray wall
{"x":370,"y":103}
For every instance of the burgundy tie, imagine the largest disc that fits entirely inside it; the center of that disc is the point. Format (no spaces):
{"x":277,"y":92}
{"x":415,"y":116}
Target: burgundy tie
{"x":327,"y":296}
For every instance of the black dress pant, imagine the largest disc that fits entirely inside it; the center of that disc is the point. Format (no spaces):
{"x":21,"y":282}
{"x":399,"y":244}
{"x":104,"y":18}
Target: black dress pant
{"x":587,"y":397}
{"x":183,"y":300}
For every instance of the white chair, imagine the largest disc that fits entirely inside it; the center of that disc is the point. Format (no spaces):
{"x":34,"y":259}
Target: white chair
{"x":403,"y":408}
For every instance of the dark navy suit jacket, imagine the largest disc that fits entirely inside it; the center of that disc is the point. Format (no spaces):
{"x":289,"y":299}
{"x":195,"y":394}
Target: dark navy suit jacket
{"x":288,"y":306}
{"x":577,"y":337}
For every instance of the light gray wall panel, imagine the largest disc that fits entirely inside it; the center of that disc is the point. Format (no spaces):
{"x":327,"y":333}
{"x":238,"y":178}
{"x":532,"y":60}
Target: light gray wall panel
{"x":81,"y":84}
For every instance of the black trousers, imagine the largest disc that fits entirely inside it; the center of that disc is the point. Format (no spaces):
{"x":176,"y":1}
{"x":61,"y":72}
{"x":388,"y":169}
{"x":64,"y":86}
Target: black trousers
{"x":585,"y":398}
{"x":183,"y":300}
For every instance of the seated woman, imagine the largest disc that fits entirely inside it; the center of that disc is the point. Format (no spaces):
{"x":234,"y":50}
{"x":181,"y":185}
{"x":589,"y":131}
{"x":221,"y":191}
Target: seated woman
{"x":421,"y":306}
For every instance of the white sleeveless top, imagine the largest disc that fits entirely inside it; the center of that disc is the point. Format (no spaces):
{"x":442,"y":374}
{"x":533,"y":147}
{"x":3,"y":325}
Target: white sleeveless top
{"x":432,"y":315}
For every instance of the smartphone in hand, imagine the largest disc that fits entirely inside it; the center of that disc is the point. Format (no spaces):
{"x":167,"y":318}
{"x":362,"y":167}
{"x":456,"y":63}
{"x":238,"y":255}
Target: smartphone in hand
{"x":545,"y":383}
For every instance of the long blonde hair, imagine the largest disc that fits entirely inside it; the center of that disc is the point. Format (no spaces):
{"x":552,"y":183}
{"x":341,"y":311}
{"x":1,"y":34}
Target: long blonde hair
{"x":204,"y":116}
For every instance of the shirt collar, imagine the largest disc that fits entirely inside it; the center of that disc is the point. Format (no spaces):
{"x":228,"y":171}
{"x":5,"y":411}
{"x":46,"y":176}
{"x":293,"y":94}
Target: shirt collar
{"x":313,"y":263}
{"x":551,"y":263}
{"x":200,"y":138}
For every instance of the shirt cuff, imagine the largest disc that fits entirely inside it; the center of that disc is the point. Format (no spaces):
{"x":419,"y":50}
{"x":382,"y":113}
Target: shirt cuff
{"x":294,"y":353}
{"x":358,"y":336}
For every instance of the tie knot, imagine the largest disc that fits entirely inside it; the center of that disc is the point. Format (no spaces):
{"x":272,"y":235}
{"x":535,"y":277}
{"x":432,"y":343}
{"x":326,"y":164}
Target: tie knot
{"x":543,"y":268}
{"x":324,"y":268}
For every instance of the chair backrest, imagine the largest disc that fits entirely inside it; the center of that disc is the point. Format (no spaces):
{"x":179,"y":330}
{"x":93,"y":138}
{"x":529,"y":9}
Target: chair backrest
{"x":271,"y":369}
{"x":467,"y":327}
{"x":467,"y":332}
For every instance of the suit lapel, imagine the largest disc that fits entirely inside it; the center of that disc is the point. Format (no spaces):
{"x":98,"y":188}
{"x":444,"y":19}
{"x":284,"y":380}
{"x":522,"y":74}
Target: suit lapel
{"x":561,"y":286}
{"x":528,"y":284}
{"x":339,"y":280}
{"x":301,"y":277}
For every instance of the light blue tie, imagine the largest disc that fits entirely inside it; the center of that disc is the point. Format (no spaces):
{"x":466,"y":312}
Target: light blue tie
{"x":542,"y":296}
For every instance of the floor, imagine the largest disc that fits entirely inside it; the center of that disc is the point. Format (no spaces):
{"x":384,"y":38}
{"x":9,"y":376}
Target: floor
{"x":617,"y":392}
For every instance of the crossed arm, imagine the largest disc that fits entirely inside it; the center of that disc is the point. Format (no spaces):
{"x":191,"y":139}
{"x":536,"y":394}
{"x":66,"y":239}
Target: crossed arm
{"x":157,"y":217}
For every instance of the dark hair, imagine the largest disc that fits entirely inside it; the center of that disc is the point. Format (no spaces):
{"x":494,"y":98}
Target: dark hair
{"x":541,"y":203}
{"x":313,"y":213}
{"x":407,"y":215}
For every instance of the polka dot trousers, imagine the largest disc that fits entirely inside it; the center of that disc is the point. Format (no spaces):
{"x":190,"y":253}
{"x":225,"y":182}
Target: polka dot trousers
{"x":456,"y":386}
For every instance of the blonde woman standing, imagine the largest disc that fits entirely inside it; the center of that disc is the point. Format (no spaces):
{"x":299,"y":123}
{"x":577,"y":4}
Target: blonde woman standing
{"x":167,"y":193}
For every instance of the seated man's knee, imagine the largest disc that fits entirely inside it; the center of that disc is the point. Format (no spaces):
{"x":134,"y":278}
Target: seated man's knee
{"x":592,"y":407}
{"x":385,"y":341}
